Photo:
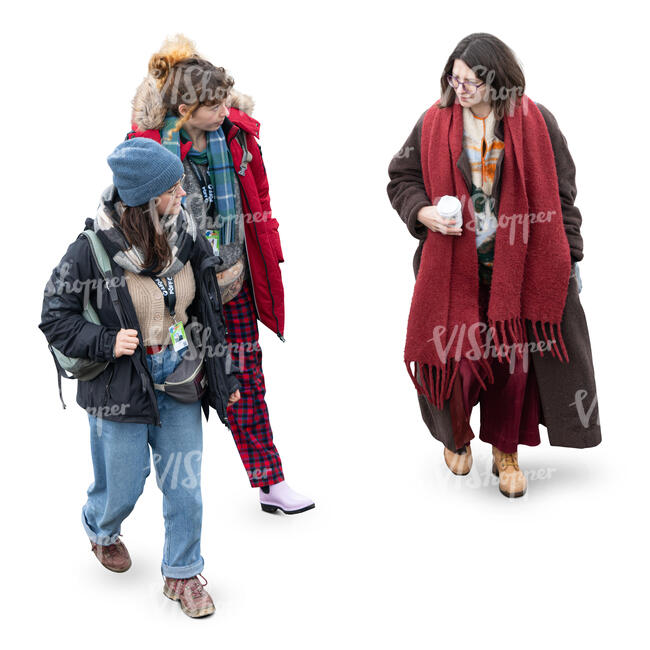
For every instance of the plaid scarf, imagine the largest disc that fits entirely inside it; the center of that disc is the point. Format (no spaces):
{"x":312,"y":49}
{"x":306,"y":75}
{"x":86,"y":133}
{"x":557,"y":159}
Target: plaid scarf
{"x":181,"y":234}
{"x":531,"y":262}
{"x":220,"y":170}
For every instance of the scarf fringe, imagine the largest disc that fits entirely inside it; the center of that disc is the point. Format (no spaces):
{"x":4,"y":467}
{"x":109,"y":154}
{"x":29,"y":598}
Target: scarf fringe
{"x":510,"y":332}
{"x":437,"y":381}
{"x":550,"y":340}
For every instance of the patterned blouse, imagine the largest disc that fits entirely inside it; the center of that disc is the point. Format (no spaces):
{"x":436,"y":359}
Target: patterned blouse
{"x":483,"y":150}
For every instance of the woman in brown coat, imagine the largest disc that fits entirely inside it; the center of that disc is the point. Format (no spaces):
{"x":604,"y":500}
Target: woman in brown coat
{"x":480,"y":139}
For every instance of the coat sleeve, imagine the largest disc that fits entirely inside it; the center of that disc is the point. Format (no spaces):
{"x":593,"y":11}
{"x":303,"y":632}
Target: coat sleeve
{"x":261,"y":181}
{"x":406,"y":189}
{"x":203,"y":252}
{"x":566,"y":178}
{"x":62,"y":321}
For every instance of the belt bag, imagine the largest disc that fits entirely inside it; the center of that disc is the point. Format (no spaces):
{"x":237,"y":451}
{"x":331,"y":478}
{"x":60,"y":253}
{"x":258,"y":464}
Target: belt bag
{"x":231,"y":280}
{"x":188,"y":382}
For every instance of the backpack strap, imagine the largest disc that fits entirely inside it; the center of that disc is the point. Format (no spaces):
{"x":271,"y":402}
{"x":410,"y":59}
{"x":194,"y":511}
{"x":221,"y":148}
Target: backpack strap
{"x":247,"y":156}
{"x":99,"y":252}
{"x":103,"y":261}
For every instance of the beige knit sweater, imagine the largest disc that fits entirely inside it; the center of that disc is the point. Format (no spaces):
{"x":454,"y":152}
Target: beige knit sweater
{"x":149,"y":303}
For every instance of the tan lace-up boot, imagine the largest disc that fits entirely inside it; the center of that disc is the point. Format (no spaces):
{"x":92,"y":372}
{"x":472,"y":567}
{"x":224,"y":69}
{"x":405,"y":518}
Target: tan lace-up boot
{"x":459,"y":464}
{"x":512,"y":482}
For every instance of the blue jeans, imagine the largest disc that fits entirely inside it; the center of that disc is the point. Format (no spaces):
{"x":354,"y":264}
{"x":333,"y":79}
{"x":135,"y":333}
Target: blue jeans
{"x":120,"y":455}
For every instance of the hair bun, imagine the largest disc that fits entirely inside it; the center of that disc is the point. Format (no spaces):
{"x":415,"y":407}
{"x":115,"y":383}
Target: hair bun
{"x":174,"y":50}
{"x":159,"y":66}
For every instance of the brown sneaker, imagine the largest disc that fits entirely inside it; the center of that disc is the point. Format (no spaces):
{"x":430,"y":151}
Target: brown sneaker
{"x":195,"y":601}
{"x":114,"y":557}
{"x":459,"y":464}
{"x":512,"y":482}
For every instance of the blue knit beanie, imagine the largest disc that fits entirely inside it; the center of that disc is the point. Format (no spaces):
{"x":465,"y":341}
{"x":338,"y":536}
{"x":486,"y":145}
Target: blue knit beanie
{"x":143,"y":169}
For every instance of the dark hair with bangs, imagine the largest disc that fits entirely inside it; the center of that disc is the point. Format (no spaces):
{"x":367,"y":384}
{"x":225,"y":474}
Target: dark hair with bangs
{"x":495,"y":63}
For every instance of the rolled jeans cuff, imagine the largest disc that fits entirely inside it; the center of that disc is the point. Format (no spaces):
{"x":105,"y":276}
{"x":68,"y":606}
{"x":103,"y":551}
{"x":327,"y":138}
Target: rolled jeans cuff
{"x":102,"y":540}
{"x":182,"y":571}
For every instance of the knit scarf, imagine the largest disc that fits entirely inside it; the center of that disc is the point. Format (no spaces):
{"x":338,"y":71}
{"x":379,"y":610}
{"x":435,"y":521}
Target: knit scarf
{"x":181,"y":234}
{"x":532,"y":262}
{"x":220,"y":170}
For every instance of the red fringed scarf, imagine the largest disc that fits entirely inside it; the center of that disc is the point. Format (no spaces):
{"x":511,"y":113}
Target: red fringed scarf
{"x":532,"y":263}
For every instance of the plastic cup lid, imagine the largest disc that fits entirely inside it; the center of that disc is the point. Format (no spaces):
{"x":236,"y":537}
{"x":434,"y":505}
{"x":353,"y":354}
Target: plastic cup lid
{"x":448,"y":206}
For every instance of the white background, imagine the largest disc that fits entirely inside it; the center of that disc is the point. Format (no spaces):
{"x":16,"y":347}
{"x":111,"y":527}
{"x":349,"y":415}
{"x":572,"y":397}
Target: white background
{"x":398,"y":552}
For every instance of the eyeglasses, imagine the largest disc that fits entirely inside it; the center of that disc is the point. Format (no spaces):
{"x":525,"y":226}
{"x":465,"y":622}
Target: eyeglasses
{"x":172,"y":190}
{"x":468,"y":86}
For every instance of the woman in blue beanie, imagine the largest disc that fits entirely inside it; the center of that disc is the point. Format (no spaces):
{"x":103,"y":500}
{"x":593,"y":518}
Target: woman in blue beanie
{"x":158,"y":309}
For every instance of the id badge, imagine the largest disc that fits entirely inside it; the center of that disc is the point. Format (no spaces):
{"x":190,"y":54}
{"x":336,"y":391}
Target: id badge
{"x":177,"y":333}
{"x":213,"y":237}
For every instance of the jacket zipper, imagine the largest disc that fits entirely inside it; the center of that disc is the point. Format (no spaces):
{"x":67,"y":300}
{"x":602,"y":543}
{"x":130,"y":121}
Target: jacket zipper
{"x":219,"y":306}
{"x":108,"y":383}
{"x":152,"y":394}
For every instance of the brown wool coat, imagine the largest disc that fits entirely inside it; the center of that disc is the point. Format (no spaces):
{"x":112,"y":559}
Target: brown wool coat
{"x":567,"y":391}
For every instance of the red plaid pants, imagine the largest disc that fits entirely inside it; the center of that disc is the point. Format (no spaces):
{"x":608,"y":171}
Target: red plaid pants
{"x":249,"y":417}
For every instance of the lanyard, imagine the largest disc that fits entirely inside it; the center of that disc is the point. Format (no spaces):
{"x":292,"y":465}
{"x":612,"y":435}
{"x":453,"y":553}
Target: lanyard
{"x":169,"y":294}
{"x":206,"y":189}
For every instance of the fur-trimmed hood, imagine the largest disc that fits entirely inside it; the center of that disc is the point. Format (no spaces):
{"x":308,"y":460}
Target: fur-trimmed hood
{"x":149,"y":111}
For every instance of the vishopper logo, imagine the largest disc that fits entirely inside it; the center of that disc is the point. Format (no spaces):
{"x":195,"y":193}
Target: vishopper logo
{"x":188,"y":79}
{"x":513,"y":220}
{"x":405,"y":152}
{"x":101,"y":412}
{"x":105,"y":411}
{"x":500,"y":92}
{"x":206,"y":222}
{"x":585,"y":415}
{"x":61,"y":283}
{"x":444,"y":344}
{"x":510,"y":221}
{"x":495,"y":92}
{"x":481,"y":476}
{"x":235,"y":351}
{"x":258,"y":473}
{"x":181,"y":468}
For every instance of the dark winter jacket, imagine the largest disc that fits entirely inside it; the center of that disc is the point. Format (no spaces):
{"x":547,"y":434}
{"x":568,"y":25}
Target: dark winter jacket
{"x":567,"y":391}
{"x":124,"y":391}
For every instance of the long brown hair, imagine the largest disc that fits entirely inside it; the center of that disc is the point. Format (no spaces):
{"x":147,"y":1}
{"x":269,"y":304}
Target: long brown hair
{"x":138,"y":226}
{"x":493,"y":62}
{"x":192,"y":81}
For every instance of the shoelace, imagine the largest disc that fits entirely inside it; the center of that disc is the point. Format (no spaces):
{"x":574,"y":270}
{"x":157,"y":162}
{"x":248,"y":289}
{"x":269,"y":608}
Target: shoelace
{"x":509,"y":459}
{"x":196,"y":586}
{"x":109,"y":549}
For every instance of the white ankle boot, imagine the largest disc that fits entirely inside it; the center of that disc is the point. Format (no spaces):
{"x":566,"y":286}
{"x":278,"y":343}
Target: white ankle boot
{"x":281,"y":496}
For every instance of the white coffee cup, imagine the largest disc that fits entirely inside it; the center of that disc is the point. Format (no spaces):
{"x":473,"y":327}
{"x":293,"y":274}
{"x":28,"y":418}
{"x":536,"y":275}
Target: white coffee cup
{"x":449,"y":207}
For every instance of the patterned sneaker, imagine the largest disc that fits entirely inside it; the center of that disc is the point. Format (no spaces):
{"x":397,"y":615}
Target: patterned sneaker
{"x":195,"y":601}
{"x":114,"y":557}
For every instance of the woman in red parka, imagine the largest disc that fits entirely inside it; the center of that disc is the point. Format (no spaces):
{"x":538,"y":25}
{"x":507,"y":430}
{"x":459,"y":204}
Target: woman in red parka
{"x":189,"y":106}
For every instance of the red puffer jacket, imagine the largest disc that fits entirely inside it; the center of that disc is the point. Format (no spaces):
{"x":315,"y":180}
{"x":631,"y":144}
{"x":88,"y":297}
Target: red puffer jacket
{"x":261,"y":229}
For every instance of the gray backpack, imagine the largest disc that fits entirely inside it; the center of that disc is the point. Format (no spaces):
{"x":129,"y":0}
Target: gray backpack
{"x":80,"y":368}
